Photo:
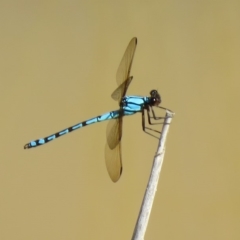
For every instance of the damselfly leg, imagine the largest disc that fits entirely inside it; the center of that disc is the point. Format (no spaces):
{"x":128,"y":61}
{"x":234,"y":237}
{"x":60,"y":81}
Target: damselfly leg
{"x":150,"y":111}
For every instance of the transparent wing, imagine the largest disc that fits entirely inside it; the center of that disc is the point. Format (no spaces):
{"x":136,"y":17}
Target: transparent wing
{"x":113,"y":160}
{"x":113,"y":157}
{"x":124,"y":69}
{"x":117,"y":94}
{"x":114,"y":132}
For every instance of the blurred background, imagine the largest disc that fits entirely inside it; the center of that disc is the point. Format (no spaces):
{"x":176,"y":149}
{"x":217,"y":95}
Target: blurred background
{"x":58,"y":64}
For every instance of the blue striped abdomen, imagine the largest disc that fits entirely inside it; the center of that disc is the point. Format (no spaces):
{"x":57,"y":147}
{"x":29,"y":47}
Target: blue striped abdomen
{"x":103,"y":117}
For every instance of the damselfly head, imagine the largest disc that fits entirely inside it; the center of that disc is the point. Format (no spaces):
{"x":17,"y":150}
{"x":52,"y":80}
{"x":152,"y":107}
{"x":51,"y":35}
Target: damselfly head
{"x":155,"y":97}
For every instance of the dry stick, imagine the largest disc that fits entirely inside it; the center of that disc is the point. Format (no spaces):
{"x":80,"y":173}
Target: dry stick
{"x":147,"y":203}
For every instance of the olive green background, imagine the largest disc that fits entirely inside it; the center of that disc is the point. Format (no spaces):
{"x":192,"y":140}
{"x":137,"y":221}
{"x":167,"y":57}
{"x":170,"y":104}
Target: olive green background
{"x":58,"y":63}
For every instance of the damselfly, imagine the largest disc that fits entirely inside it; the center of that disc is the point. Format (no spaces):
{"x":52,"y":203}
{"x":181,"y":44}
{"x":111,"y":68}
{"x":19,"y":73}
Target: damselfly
{"x":128,"y":105}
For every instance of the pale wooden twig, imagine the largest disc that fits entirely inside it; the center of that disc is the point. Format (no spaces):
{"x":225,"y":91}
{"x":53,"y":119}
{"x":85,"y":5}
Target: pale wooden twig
{"x":147,"y":203}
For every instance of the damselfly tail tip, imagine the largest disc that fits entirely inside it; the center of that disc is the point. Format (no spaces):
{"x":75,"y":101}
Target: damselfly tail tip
{"x":26,"y":146}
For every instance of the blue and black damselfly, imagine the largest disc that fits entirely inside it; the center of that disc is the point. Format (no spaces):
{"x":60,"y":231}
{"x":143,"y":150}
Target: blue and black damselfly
{"x":129,"y":105}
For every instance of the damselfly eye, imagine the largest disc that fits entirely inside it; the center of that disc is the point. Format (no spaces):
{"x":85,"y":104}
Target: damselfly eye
{"x":152,"y":92}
